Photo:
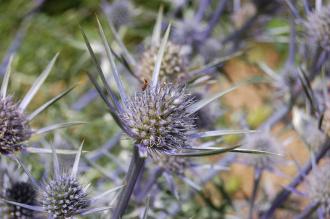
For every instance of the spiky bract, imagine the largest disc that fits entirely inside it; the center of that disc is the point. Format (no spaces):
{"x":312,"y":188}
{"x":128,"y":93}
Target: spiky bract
{"x":159,"y":119}
{"x":317,"y":27}
{"x":319,"y":187}
{"x":204,"y":118}
{"x":172,"y":65}
{"x":23,"y":193}
{"x":262,"y":141}
{"x":65,"y":197}
{"x":14,"y":128}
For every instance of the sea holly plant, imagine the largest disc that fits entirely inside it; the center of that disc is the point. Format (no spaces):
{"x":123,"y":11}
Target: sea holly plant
{"x":62,"y":195}
{"x":15,"y":187}
{"x":15,"y":129}
{"x":175,"y":65}
{"x":159,"y":118}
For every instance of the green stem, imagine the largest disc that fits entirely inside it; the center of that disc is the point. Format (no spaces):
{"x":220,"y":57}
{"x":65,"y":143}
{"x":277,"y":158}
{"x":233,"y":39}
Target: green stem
{"x":133,"y":173}
{"x":256,"y":182}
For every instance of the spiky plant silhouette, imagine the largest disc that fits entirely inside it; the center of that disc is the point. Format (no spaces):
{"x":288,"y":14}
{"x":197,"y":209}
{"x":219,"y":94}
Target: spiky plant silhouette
{"x":157,"y":118}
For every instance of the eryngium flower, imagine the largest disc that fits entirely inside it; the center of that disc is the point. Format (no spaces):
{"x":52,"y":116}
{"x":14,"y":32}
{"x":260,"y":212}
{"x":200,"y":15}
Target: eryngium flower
{"x":14,"y":121}
{"x":64,"y":197}
{"x":172,"y":65}
{"x":262,"y":141}
{"x":14,"y":128}
{"x":158,"y":117}
{"x":317,"y":27}
{"x":24,"y":193}
{"x":319,"y":187}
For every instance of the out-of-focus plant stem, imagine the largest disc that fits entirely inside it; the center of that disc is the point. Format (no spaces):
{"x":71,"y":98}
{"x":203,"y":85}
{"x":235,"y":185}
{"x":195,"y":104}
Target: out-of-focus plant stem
{"x":203,"y":4}
{"x":158,"y":172}
{"x":256,"y":183}
{"x":85,"y":99}
{"x":133,"y":173}
{"x":308,"y":211}
{"x":285,"y":193}
{"x":214,"y":19}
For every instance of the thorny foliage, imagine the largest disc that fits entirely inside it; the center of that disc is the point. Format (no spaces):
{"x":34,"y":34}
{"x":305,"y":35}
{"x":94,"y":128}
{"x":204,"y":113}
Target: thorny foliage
{"x":160,"y":98}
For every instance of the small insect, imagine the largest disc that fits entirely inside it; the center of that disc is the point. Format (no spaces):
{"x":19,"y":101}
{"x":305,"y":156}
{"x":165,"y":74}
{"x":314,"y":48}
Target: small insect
{"x":145,"y":84}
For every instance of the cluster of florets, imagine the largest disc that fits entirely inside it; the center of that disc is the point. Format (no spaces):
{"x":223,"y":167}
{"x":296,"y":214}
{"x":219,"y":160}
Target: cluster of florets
{"x":172,"y":65}
{"x":23,"y":193}
{"x":262,"y":141}
{"x":65,"y":197}
{"x":317,"y":27}
{"x":159,"y":119}
{"x":319,"y":187}
{"x":14,"y":128}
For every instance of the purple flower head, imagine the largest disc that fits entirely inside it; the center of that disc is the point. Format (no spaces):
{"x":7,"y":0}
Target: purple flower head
{"x":158,"y":118}
{"x":14,"y":127}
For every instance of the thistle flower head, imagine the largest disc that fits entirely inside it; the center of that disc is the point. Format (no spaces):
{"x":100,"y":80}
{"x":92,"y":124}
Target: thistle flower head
{"x":172,"y":65}
{"x":14,"y":123}
{"x":24,"y":193}
{"x":319,"y":187}
{"x":14,"y":128}
{"x":64,"y":197}
{"x":317,"y":27}
{"x":262,"y":141}
{"x":158,"y":117}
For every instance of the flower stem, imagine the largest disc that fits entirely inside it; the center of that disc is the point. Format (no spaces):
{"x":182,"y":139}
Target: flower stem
{"x":308,"y":211}
{"x":285,"y":193}
{"x":256,"y":182}
{"x":134,"y":171}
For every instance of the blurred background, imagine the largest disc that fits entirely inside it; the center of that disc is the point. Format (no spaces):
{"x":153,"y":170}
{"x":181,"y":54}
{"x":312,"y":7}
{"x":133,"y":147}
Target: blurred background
{"x":255,"y":38}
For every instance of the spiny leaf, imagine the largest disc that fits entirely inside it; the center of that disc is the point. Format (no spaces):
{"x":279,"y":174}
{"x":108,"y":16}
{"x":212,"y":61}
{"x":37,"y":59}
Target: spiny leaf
{"x":114,"y":100}
{"x":205,"y":152}
{"x":48,"y":151}
{"x":112,"y":62}
{"x":98,"y":197}
{"x":220,"y":133}
{"x":48,"y":104}
{"x":131,"y":61}
{"x":75,"y":167}
{"x":5,"y":82}
{"x":159,"y":59}
{"x":202,"y":103}
{"x":37,"y":84}
{"x":30,"y":207}
{"x":56,"y":126}
{"x":155,"y":39}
